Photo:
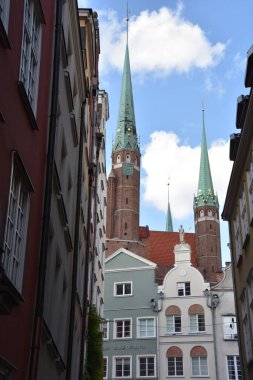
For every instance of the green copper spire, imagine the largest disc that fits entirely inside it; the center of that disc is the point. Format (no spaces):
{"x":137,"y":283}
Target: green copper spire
{"x":126,"y":136}
{"x":205,"y":196}
{"x":169,"y":225}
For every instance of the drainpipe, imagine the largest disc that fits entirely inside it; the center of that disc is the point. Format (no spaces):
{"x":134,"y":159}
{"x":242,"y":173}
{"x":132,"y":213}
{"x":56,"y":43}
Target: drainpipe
{"x":39,"y":308}
{"x":239,"y":330}
{"x":214,"y":302}
{"x":76,"y":243}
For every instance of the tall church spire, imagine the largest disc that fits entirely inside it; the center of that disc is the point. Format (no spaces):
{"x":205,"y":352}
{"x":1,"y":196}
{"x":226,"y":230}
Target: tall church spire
{"x":206,"y":217}
{"x":123,"y":206}
{"x":126,"y":135}
{"x":205,"y":195}
{"x":169,"y":225}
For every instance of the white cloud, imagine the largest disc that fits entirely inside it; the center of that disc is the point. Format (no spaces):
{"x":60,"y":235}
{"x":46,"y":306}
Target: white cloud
{"x":238,"y":65}
{"x":160,"y":41}
{"x":166,"y":157}
{"x":214,"y":85}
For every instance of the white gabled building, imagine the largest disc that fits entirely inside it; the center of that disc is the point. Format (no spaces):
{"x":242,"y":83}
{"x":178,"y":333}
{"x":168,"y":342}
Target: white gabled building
{"x":186,"y":341}
{"x":197,"y":335}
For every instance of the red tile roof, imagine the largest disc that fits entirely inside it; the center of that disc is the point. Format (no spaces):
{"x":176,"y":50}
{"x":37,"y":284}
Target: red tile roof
{"x":160,"y":248}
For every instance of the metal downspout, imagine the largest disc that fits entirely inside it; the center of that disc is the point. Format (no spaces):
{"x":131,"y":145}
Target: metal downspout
{"x":215,"y":342}
{"x":76,"y":243}
{"x":39,"y":308}
{"x":236,"y":306}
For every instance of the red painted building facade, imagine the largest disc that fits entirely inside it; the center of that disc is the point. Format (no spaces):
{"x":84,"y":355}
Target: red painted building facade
{"x":26,"y":45}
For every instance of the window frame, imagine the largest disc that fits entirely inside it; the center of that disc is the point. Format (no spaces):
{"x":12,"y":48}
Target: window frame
{"x":123,"y":320}
{"x":17,"y":220}
{"x":29,"y":71}
{"x":6,"y":14}
{"x":198,"y":322}
{"x":105,"y":327}
{"x":199,"y":366}
{"x":106,"y":359}
{"x":123,"y":357}
{"x":229,"y":320}
{"x":236,"y":368}
{"x":138,"y":357}
{"x":124,"y":294}
{"x":174,"y":316}
{"x":181,"y":286}
{"x":139,"y":336}
{"x":175,"y":366}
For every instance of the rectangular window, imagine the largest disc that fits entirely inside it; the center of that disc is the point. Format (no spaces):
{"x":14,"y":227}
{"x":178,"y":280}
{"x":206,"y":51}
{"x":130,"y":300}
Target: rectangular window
{"x":197,"y":323}
{"x":174,"y":324}
{"x":246,"y":329}
{"x":122,"y":328}
{"x":105,"y":367}
{"x":237,"y":235}
{"x":244,"y":215}
{"x":4,"y":13}
{"x":183,"y":289}
{"x":123,"y":288}
{"x":30,"y":51}
{"x":234,"y":367}
{"x":199,"y":366}
{"x":230,"y":328}
{"x":122,"y":366}
{"x":16,"y":227}
{"x":105,"y":330}
{"x":146,"y":366}
{"x":175,"y":366}
{"x":146,"y":327}
{"x":250,"y":185}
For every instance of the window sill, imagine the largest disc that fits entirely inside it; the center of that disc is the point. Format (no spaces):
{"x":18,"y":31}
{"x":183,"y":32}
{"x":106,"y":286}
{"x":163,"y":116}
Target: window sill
{"x":173,"y":334}
{"x":239,"y":261}
{"x":27,"y":105}
{"x":246,"y":240}
{"x":9,"y":296}
{"x":4,"y":37}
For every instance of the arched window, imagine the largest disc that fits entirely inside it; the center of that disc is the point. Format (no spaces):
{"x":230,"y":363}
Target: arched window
{"x":199,"y":361}
{"x":175,"y":361}
{"x":197,"y":319}
{"x":128,"y":158}
{"x":209,"y":212}
{"x":201,"y":213}
{"x":118,"y":159}
{"x":173,"y":314}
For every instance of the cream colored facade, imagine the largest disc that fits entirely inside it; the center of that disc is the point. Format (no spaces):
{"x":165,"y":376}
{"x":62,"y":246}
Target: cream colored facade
{"x":100,"y":207}
{"x":182,"y":348}
{"x":225,"y":328}
{"x":197,"y":324}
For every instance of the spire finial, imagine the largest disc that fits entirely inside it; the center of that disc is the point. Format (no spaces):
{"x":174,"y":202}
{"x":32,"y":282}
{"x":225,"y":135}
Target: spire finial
{"x":127,"y":20}
{"x":169,"y":224}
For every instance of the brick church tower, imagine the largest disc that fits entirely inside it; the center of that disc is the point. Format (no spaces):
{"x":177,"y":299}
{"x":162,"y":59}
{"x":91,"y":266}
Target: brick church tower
{"x":123,"y":191}
{"x":206,"y":217}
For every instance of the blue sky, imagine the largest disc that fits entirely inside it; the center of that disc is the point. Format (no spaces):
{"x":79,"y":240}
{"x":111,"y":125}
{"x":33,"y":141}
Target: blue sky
{"x":181,"y":52}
